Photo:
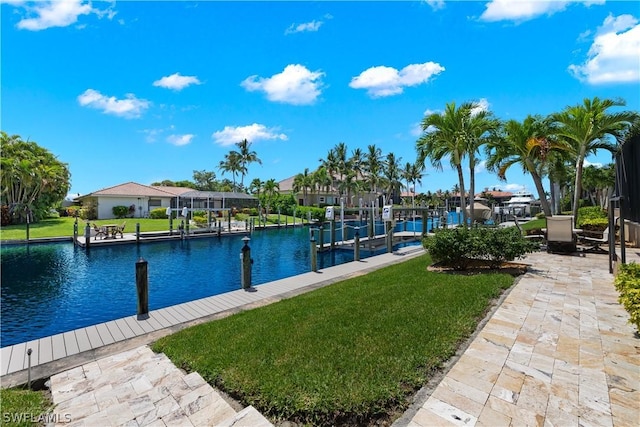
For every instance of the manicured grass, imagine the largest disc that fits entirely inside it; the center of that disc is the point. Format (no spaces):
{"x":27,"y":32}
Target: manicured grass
{"x":63,"y":227}
{"x":348,"y":353}
{"x":23,"y":407}
{"x":534,"y":224}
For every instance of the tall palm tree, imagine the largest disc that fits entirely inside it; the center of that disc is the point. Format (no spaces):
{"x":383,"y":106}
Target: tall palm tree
{"x":392,"y":171}
{"x":445,"y":136}
{"x":270,"y":189}
{"x":232,"y":163}
{"x":331,"y":166}
{"x":528,"y":144}
{"x":588,"y":128}
{"x":321,"y":181}
{"x":373,"y":167}
{"x":303,"y":182}
{"x":480,"y":126}
{"x":412,"y":173}
{"x":246,"y":156}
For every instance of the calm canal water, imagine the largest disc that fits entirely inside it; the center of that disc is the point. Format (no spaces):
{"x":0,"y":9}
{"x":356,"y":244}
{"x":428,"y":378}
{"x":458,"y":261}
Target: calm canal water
{"x":53,"y":288}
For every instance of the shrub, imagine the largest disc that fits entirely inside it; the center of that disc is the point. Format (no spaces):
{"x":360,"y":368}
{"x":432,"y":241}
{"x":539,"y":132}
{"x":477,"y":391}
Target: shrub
{"x":158,"y":213}
{"x":458,"y":247}
{"x":627,"y":282}
{"x":72,"y":210}
{"x":120,"y":211}
{"x":200,"y":220}
{"x":316,"y":213}
{"x":589,"y":213}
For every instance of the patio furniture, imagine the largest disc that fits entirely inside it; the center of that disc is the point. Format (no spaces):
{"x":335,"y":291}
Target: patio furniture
{"x":99,"y":231}
{"x":560,"y":235}
{"x":119,"y":230}
{"x":595,"y":242}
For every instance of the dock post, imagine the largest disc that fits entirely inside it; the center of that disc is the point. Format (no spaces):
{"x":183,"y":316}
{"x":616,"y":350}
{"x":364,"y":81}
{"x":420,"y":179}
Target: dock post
{"x":137,"y":232}
{"x":87,"y":235}
{"x":245,"y":257}
{"x":333,"y":234}
{"x":29,"y":351}
{"x":321,"y":237}
{"x":313,"y":250}
{"x":75,"y":233}
{"x":356,"y":245}
{"x":389,"y":237}
{"x":142,"y":287}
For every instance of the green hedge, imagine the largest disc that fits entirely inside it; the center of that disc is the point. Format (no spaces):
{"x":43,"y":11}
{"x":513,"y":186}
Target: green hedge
{"x":627,"y":282}
{"x":591,"y":215}
{"x":458,"y":247}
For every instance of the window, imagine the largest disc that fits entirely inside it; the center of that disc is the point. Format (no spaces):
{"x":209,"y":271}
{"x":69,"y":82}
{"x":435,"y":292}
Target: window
{"x":153,"y":203}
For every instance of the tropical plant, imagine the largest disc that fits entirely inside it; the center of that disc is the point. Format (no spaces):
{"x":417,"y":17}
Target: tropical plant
{"x":33,"y":179}
{"x":232,"y":164}
{"x":246,"y":156}
{"x":589,"y":127}
{"x":527,"y":144}
{"x":270,"y":189}
{"x":445,"y":136}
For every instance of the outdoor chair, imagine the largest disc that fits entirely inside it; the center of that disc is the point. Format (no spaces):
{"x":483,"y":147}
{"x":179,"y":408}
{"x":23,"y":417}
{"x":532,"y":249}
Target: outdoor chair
{"x":99,"y":231}
{"x":119,"y":230}
{"x":560,"y":234}
{"x":595,"y":242}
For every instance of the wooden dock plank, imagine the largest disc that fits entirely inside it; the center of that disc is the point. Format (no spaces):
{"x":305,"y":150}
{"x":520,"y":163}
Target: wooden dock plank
{"x":18,"y":357}
{"x":205,"y":309}
{"x":180,"y":313}
{"x":194,"y":309}
{"x":5,"y":358}
{"x":105,"y":335}
{"x":71,"y":343}
{"x":165,"y":318}
{"x":82,"y":338}
{"x":46,"y":350}
{"x":135,"y":325}
{"x":58,"y":347}
{"x":94,"y":336}
{"x":115,"y":331}
{"x":125,"y":328}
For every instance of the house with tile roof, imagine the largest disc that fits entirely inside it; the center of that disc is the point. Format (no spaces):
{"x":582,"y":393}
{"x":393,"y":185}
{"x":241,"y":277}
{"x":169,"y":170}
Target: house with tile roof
{"x":141,"y":199}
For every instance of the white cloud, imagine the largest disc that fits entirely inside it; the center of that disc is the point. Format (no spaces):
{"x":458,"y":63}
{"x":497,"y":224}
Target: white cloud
{"x":525,"y":10}
{"x":231,"y":135}
{"x":481,"y":105}
{"x":295,"y":85}
{"x":180,"y":140}
{"x":130,"y":107}
{"x":435,"y":4}
{"x":588,"y":163}
{"x":57,"y":13}
{"x":177,"y":81}
{"x":614,"y":56}
{"x":481,"y":167}
{"x":305,"y":27}
{"x":386,"y":81}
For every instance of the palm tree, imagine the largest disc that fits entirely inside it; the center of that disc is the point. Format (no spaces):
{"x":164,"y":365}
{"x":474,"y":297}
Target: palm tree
{"x":480,"y":126}
{"x":445,"y":136}
{"x":246,"y":156}
{"x":412,"y":173}
{"x":232,"y":163}
{"x":529,"y":144}
{"x":392,"y":174}
{"x":373,"y":167}
{"x":321,"y":181}
{"x":303,"y":182}
{"x":271,"y":190}
{"x":588,"y":128}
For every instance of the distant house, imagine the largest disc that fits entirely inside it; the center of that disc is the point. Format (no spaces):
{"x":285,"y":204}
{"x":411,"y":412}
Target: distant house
{"x":325,"y":196}
{"x":141,"y":199}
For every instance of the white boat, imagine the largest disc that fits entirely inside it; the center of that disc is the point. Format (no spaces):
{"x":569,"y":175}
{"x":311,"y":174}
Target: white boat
{"x":520,"y":204}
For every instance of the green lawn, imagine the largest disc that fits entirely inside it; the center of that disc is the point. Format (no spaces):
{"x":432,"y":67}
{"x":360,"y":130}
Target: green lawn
{"x":23,"y":407}
{"x":348,"y":353}
{"x":534,"y":224}
{"x":63,"y":227}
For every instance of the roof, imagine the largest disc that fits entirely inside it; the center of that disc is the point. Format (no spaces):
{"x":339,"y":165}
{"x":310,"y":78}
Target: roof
{"x":496,"y":194}
{"x":216,"y":195}
{"x":130,"y":189}
{"x":176,"y":191}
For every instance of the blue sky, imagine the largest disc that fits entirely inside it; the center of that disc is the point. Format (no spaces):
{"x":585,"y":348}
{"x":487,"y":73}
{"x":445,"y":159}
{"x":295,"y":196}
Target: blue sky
{"x":151,"y":90}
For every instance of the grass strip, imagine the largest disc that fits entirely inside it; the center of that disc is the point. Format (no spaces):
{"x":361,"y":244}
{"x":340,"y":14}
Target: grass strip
{"x":21,"y":407}
{"x":348,"y":353}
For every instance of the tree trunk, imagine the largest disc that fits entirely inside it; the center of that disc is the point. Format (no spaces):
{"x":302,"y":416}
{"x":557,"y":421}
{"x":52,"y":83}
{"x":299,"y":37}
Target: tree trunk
{"x":577,"y":188}
{"x":472,"y":187}
{"x":462,"y":196}
{"x":537,"y":181}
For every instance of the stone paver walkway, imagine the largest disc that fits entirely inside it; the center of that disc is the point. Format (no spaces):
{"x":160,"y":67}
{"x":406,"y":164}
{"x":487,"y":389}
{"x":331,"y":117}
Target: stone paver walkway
{"x":557,"y":352}
{"x":141,"y":388}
